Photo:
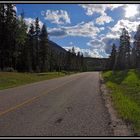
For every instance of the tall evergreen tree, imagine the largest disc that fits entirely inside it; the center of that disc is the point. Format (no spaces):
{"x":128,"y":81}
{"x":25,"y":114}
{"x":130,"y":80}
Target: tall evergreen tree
{"x":73,"y":59}
{"x":37,"y":33}
{"x":113,"y":57}
{"x":133,"y":57}
{"x":31,"y":49}
{"x":136,"y":49}
{"x":123,"y":58}
{"x":68,"y":63}
{"x":44,"y":48}
{"x":78,"y":61}
{"x":21,"y":39}
{"x":2,"y":35}
{"x":83,"y":65}
{"x":10,"y":35}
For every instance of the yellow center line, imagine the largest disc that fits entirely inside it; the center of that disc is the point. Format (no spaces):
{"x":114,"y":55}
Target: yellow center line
{"x":32,"y":99}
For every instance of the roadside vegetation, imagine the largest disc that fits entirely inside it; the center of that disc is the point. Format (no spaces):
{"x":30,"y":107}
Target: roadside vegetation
{"x":125,"y":94}
{"x":13,"y":79}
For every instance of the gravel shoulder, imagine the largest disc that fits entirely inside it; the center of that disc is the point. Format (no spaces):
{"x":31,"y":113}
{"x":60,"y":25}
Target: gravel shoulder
{"x":119,"y":127}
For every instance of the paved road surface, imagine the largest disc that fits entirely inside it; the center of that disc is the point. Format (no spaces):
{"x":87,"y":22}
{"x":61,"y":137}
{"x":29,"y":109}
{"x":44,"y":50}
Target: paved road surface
{"x":67,"y":106}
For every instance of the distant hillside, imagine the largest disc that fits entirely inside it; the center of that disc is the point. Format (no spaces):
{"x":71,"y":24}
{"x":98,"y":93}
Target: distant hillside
{"x":92,"y":64}
{"x":56,"y":47}
{"x":96,"y":64}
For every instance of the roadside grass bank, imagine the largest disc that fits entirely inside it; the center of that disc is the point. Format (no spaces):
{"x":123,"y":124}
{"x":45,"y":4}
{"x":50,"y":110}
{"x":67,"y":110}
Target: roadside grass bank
{"x":125,"y":94}
{"x":14,"y":79}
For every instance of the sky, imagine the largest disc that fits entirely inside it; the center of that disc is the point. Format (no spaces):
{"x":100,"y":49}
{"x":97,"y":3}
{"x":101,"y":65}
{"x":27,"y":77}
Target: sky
{"x":89,"y":28}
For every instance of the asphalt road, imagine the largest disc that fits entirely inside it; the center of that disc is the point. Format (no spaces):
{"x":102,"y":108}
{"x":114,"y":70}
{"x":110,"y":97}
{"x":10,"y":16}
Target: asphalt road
{"x":67,"y":106}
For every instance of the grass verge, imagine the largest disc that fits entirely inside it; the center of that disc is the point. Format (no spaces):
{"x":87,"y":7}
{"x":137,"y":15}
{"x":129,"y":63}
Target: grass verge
{"x":125,"y":87}
{"x":14,"y":79}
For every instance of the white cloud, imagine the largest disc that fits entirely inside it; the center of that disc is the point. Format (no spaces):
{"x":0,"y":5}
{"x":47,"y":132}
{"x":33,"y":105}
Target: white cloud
{"x":131,"y":11}
{"x":103,"y":19}
{"x":102,"y":28}
{"x":93,"y":8}
{"x":82,"y":29}
{"x":96,"y":44}
{"x":15,"y":8}
{"x":99,"y":8}
{"x":86,"y":52}
{"x":57,"y":17}
{"x":114,"y":6}
{"x":116,"y":30}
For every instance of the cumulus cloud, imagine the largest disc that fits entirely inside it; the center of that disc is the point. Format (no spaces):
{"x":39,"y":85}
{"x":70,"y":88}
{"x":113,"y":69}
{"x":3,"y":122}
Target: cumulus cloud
{"x":82,"y":29}
{"x":96,"y":44}
{"x":57,"y":17}
{"x":103,"y":19}
{"x":131,"y":11}
{"x":93,"y":8}
{"x":57,"y":32}
{"x":115,"y":31}
{"x":99,"y":8}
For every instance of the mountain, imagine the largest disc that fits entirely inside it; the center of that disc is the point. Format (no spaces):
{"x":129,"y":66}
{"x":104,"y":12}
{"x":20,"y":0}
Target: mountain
{"x":92,"y":64}
{"x":56,"y":47}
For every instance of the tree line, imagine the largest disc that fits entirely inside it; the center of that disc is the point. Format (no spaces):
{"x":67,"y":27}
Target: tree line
{"x":126,"y":56}
{"x":28,"y":49}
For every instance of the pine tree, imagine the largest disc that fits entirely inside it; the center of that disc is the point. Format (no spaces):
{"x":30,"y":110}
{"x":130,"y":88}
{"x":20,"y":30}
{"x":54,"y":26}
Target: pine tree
{"x":2,"y":35}
{"x":10,"y":35}
{"x":37,"y":33}
{"x":83,"y":65}
{"x":73,"y":59}
{"x":136,"y":49}
{"x":113,"y":57}
{"x":68,"y":63}
{"x":133,"y":58}
{"x":78,"y":62}
{"x":21,"y":39}
{"x":44,"y":48}
{"x":123,"y":58}
{"x":31,"y":49}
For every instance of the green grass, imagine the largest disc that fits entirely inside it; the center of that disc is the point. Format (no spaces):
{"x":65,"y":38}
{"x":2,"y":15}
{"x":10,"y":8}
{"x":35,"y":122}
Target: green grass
{"x":125,"y":87}
{"x":13,"y":79}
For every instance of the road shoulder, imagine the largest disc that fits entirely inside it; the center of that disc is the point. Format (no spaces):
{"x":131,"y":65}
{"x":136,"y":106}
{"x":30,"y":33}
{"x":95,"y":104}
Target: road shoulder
{"x":119,"y":127}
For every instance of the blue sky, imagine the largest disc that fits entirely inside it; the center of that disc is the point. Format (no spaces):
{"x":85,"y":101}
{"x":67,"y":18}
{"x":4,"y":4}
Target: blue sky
{"x":90,"y":28}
